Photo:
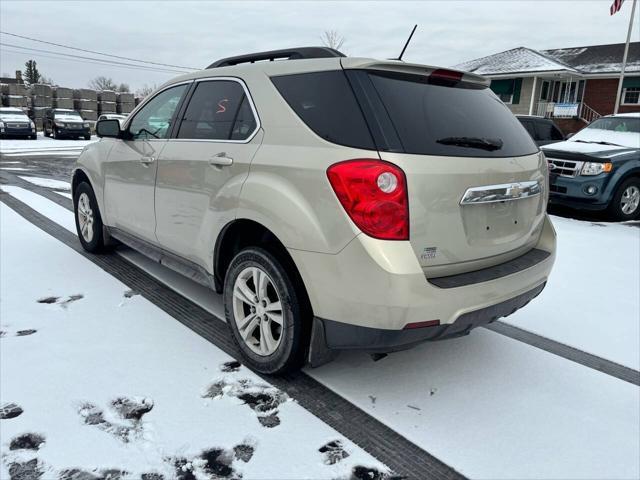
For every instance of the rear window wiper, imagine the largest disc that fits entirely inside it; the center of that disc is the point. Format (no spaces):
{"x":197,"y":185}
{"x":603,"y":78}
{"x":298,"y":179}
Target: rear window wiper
{"x":490,"y":144}
{"x":602,"y":142}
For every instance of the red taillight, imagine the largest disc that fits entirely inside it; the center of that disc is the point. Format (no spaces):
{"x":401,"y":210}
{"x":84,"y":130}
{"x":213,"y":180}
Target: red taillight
{"x":442,"y":74}
{"x":374,"y":195}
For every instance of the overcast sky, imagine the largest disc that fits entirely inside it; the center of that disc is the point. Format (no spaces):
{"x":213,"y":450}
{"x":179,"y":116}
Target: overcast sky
{"x":194,"y":34}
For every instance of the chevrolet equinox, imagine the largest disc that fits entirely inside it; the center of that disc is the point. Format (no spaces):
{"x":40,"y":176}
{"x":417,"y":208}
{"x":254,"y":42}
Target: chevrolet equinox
{"x":335,"y":202}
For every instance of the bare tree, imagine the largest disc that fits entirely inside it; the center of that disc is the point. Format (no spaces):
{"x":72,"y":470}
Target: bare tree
{"x":103,"y":83}
{"x":332,"y":39}
{"x":145,"y":90}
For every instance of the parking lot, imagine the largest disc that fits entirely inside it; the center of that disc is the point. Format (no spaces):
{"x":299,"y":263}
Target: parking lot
{"x":549,"y":392}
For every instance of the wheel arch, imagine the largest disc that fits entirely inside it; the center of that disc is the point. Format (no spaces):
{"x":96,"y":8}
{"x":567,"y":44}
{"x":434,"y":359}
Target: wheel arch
{"x":243,"y":232}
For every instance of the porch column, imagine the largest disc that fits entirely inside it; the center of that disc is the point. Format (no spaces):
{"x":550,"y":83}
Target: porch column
{"x":533,"y":95}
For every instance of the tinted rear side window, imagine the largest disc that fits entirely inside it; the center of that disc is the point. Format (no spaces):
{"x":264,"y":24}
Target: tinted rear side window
{"x":218,"y":110}
{"x":428,"y":118}
{"x":325,"y":102}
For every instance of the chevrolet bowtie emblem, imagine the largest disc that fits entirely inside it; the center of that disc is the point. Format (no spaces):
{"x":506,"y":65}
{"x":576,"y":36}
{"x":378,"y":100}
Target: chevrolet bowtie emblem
{"x":514,"y":191}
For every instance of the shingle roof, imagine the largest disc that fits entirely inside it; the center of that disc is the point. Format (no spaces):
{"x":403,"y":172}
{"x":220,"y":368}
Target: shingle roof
{"x":517,"y":60}
{"x":590,"y":59}
{"x":598,"y":58}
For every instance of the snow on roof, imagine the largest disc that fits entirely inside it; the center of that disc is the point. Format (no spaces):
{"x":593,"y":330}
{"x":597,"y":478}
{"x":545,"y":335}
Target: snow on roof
{"x":517,"y":60}
{"x":585,"y":60}
{"x":598,"y":58}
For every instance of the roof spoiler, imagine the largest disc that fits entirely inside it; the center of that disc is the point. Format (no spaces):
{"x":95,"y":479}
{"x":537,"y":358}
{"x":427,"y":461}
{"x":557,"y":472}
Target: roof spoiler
{"x":288,"y":54}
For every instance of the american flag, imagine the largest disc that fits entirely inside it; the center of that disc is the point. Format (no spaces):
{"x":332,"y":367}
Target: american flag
{"x":615,"y":6}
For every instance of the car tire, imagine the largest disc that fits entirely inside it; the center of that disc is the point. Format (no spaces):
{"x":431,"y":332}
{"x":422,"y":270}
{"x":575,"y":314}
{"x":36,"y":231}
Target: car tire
{"x":88,"y":219}
{"x":54,"y":133}
{"x":33,"y":137}
{"x":87,"y":137}
{"x":267,"y":346}
{"x":625,"y":204}
{"x":45,"y":131}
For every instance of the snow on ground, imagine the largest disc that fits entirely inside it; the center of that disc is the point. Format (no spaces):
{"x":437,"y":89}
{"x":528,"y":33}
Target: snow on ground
{"x":490,"y":406}
{"x":106,"y":380}
{"x":47,"y":182}
{"x":43,"y":145}
{"x":592,"y":299}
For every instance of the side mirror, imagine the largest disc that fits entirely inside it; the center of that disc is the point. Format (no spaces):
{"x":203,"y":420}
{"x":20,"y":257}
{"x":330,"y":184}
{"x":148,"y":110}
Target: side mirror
{"x":568,"y":136}
{"x":108,"y":128}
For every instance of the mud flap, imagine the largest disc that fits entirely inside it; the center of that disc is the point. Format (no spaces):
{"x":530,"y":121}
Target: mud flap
{"x":319,"y":353}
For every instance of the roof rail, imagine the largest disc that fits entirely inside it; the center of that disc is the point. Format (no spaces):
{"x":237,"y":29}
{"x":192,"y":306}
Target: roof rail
{"x":289,"y":54}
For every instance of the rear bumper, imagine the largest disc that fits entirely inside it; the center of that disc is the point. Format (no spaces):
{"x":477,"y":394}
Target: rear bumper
{"x":343,"y":336}
{"x":380,"y":285}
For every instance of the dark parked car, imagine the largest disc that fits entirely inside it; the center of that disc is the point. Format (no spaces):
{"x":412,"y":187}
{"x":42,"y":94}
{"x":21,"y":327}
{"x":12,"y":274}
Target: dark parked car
{"x":541,"y":129}
{"x":15,"y":123}
{"x":62,"y":122}
{"x":599,"y":167}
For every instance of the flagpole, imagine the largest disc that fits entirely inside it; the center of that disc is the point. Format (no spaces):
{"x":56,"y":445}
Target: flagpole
{"x":624,"y":59}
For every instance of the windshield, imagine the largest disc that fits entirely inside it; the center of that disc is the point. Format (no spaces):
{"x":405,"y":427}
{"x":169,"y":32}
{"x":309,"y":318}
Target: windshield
{"x":616,"y":124}
{"x":461,"y":119}
{"x":623,"y":131}
{"x":69,"y":115}
{"x":13,"y":115}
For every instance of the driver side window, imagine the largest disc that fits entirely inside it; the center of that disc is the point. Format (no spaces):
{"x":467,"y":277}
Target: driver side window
{"x":154,"y":119}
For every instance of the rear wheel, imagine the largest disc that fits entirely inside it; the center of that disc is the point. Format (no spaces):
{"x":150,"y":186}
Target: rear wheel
{"x":263,"y":312}
{"x":88,"y":219}
{"x":625,"y":204}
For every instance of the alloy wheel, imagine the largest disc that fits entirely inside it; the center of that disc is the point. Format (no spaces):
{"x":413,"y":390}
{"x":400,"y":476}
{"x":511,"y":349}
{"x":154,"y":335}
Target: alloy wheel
{"x":257,"y":311}
{"x":630,"y":200}
{"x":85,"y":217}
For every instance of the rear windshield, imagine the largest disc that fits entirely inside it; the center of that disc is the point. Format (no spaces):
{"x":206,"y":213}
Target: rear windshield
{"x":461,"y":119}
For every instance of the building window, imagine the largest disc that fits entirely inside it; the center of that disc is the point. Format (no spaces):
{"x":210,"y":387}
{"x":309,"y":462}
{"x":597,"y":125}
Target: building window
{"x":631,"y":96}
{"x":506,"y":97}
{"x":507,"y":90}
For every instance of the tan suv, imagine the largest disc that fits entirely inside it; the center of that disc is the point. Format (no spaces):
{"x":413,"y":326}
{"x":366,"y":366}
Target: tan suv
{"x":337,"y":203}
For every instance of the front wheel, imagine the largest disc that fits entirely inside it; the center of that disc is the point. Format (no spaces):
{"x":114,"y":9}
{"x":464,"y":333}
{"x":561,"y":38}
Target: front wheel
{"x":87,"y":137}
{"x":263,"y":312}
{"x":54,"y":133}
{"x":88,"y":219}
{"x":625,"y":204}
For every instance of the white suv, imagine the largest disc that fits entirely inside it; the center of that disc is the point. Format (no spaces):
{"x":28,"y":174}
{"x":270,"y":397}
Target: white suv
{"x":337,"y":203}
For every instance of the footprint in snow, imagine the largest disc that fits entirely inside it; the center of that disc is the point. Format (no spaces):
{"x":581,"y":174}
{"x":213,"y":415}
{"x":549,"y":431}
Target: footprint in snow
{"x":262,"y":399}
{"x":79,"y":474}
{"x":10,"y":410}
{"x":333,"y":452}
{"x":24,"y":333}
{"x":367,"y":473}
{"x":26,"y":441}
{"x":127,"y":413}
{"x":214,"y":463}
{"x":232,"y":366}
{"x":63,"y":303}
{"x":30,"y":470}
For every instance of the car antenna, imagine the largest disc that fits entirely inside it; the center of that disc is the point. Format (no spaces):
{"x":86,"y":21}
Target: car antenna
{"x":407,"y":44}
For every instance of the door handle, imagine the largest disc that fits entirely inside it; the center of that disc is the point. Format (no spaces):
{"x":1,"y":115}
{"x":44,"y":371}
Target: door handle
{"x":221,"y":160}
{"x":147,"y":160}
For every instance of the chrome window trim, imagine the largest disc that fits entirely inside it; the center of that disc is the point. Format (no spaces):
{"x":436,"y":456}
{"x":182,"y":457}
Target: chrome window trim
{"x":504,"y":192}
{"x":251,"y":104}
